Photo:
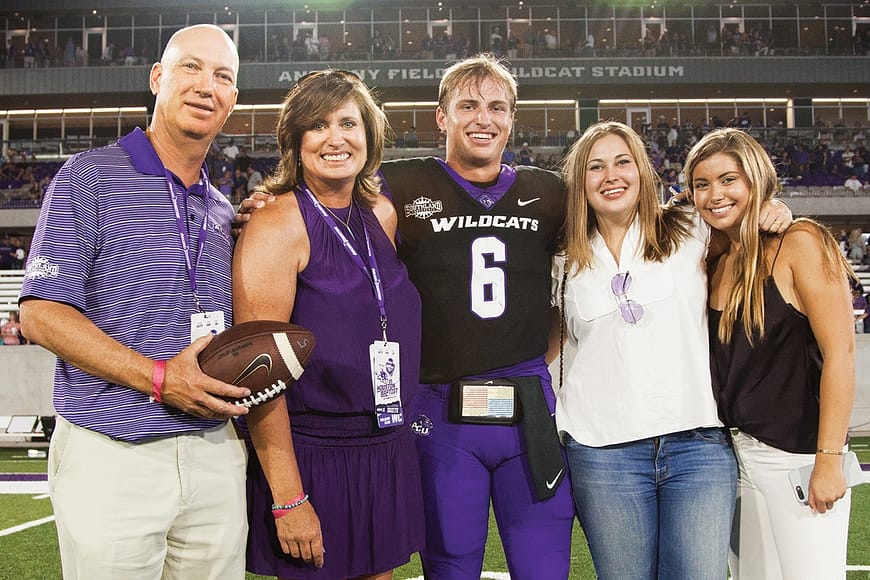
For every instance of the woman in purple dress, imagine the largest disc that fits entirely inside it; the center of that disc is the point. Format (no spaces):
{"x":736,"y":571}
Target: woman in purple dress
{"x":334,"y":483}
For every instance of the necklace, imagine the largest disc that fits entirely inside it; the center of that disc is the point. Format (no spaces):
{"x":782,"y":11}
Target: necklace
{"x":344,"y":222}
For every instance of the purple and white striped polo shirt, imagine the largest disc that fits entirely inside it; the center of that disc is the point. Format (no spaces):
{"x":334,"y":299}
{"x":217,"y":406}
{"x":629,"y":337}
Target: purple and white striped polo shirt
{"x":107,"y":243}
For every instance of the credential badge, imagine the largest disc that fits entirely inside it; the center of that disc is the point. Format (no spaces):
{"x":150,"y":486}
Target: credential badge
{"x":423,"y":208}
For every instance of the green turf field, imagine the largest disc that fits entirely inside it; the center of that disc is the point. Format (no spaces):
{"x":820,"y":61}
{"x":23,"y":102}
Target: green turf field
{"x":31,"y":553}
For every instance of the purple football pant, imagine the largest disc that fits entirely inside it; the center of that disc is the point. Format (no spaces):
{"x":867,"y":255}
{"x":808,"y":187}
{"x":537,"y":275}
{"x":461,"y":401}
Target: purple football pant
{"x":463,"y":467}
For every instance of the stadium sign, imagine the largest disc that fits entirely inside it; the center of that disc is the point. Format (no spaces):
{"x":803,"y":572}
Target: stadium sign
{"x":380,"y":72}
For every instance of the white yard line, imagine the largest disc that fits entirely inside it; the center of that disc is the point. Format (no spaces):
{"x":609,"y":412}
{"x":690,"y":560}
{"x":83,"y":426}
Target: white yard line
{"x":24,"y":526}
{"x":24,"y":487}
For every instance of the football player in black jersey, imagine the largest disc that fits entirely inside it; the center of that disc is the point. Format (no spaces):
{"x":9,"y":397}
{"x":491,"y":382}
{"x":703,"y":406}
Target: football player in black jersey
{"x":477,"y":237}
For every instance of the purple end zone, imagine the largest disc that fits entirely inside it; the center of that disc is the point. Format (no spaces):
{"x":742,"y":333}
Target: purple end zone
{"x":23,"y":477}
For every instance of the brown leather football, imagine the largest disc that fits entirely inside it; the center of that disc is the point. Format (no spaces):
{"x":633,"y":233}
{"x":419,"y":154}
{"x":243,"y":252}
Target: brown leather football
{"x":266,"y":356}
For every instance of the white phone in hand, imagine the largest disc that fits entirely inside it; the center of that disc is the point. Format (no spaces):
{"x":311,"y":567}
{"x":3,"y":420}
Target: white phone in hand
{"x":800,"y":478}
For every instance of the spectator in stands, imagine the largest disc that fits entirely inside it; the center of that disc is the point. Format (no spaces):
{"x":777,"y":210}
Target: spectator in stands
{"x":513,"y":45}
{"x":312,"y":46}
{"x":231,"y":150}
{"x":847,"y":157}
{"x":81,"y":56}
{"x":508,"y":156}
{"x":11,"y":53}
{"x":673,"y":135}
{"x":10,"y":332}
{"x":377,"y":44}
{"x":843,"y":242}
{"x":496,"y":41}
{"x":153,"y":472}
{"x":859,"y":162}
{"x":325,"y":48}
{"x":800,"y":161}
{"x":30,"y":54}
{"x":243,"y":160}
{"x":240,"y":183}
{"x":69,"y":52}
{"x":6,"y":253}
{"x":389,"y":46}
{"x":411,"y":139}
{"x":782,"y":362}
{"x":18,"y":254}
{"x":853,"y":183}
{"x":551,"y":42}
{"x":587,"y":48}
{"x":129,"y":55}
{"x":225,"y":184}
{"x":857,"y":245}
{"x":255,"y":178}
{"x":526,"y":156}
{"x":108,"y":55}
{"x":426,"y":47}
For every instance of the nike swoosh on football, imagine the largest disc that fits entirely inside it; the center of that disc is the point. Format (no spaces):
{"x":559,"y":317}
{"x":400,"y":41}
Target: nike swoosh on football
{"x":552,"y":484}
{"x":260,"y":361}
{"x":525,"y":202}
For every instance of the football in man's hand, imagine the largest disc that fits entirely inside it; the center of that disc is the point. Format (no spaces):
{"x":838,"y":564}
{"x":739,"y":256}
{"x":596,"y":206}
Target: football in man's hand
{"x":266,"y":356}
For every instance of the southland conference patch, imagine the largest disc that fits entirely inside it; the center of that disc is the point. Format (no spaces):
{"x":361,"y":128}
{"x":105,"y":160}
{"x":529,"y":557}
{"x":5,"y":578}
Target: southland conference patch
{"x":423,"y":208}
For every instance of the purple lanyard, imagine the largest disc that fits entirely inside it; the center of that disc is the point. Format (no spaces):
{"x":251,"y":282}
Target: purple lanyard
{"x":181,"y":224}
{"x":373,"y":273}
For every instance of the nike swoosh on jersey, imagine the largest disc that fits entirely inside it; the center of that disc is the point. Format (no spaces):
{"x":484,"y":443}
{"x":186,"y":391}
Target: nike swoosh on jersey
{"x":552,"y":484}
{"x":260,"y":361}
{"x":525,"y":202}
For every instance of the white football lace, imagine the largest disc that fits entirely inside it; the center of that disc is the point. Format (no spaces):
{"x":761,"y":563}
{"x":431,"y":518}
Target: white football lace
{"x":263,"y":395}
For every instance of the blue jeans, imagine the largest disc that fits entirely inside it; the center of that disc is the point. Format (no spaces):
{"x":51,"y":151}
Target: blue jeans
{"x":658,"y":508}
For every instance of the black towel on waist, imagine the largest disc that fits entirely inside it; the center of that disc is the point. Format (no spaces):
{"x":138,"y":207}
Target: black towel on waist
{"x":544,"y":451}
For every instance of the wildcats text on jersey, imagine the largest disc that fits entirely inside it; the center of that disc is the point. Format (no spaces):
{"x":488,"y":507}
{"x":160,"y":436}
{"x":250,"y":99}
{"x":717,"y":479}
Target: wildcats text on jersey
{"x":484,"y":221}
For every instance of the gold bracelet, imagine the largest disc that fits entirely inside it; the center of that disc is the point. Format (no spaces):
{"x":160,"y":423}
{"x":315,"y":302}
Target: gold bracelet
{"x":830,"y":451}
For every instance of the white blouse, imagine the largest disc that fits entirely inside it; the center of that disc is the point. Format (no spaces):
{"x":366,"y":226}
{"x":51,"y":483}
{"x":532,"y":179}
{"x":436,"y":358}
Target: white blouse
{"x":633,"y":381}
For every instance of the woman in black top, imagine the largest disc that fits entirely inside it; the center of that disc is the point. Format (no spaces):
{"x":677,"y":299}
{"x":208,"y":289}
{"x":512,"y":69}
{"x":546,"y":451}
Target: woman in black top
{"x":782,"y":343}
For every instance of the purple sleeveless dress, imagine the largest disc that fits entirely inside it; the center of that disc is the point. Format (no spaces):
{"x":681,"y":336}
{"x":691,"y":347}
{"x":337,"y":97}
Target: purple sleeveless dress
{"x":363,"y":481}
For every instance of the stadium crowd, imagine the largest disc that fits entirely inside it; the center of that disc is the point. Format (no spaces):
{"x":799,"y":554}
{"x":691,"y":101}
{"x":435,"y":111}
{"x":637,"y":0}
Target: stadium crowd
{"x":308,"y":46}
{"x":830,"y":155}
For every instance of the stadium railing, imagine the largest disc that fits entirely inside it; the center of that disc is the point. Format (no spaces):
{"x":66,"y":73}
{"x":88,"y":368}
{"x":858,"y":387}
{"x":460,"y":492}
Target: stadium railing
{"x":10,"y":287}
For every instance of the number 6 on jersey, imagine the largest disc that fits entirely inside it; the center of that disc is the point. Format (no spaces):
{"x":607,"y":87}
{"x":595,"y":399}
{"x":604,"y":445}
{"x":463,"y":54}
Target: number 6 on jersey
{"x":487,"y":282}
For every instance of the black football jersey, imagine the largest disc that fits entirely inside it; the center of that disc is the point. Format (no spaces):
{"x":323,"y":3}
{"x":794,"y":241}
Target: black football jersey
{"x":483,"y":272}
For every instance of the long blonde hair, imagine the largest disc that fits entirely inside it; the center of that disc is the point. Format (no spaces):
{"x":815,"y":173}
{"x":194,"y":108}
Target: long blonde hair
{"x":750,"y":269}
{"x":662,"y":229}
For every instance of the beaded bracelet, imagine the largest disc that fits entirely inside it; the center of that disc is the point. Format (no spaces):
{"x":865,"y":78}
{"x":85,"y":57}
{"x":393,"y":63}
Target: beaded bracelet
{"x":830,"y":451}
{"x":279,"y":510}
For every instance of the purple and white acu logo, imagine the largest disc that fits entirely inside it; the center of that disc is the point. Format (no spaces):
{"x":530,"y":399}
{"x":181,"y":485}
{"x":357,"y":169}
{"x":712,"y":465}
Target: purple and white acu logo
{"x":422,"y":426}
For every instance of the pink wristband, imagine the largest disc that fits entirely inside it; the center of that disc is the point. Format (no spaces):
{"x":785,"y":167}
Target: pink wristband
{"x":281,"y":510}
{"x":157,"y":380}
